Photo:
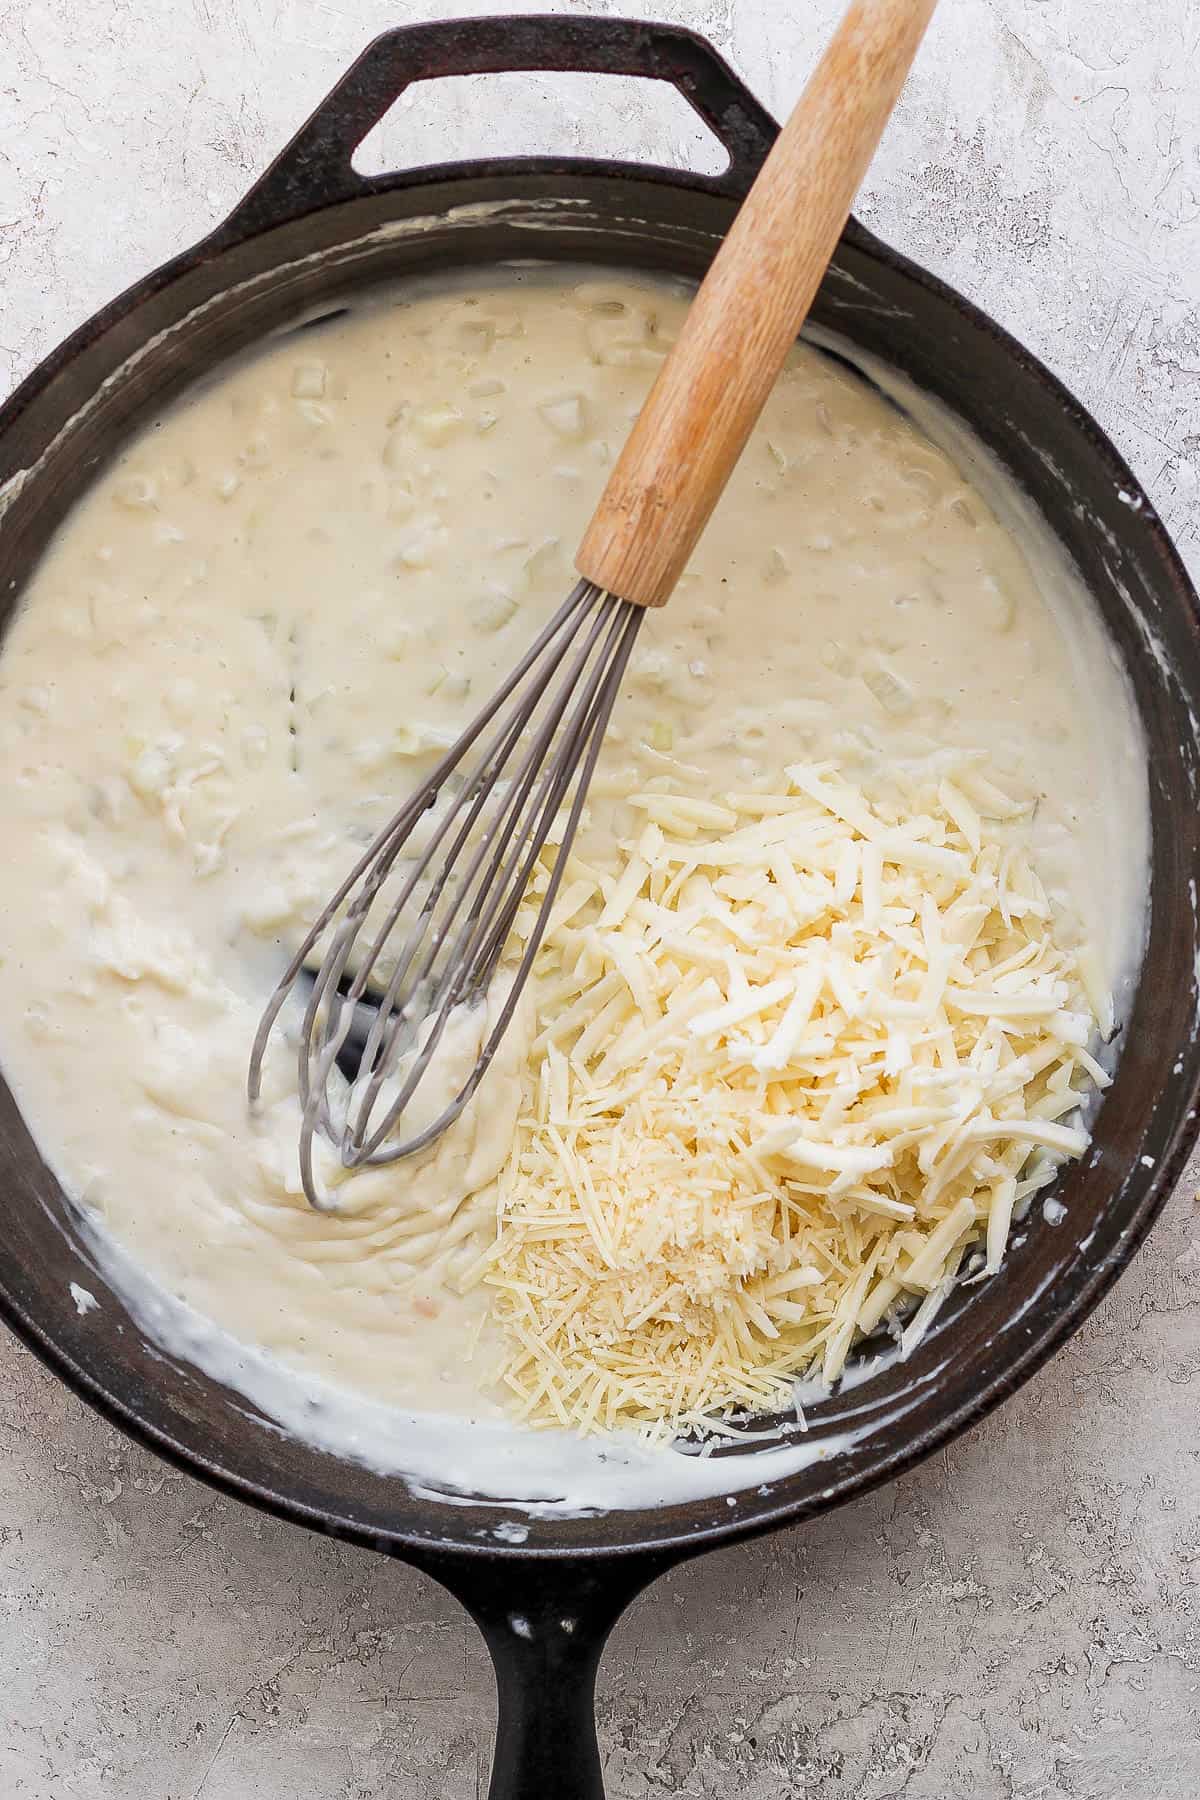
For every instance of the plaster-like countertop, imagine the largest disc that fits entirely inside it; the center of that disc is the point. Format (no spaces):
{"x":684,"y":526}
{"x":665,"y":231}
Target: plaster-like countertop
{"x":1020,"y":1619}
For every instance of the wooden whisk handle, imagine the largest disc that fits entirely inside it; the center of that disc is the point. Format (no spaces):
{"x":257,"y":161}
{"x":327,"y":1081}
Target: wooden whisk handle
{"x":749,"y":309}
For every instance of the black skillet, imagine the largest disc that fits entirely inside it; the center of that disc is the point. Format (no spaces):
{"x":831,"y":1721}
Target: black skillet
{"x":311,"y":233}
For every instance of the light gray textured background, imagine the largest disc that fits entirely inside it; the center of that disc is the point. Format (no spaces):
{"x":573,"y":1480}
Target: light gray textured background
{"x":1019,"y":1620}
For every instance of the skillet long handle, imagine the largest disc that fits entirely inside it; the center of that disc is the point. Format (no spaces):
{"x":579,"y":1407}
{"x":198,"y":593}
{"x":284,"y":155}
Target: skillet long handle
{"x":749,"y":310}
{"x":546,"y":1621}
{"x":545,"y":1710}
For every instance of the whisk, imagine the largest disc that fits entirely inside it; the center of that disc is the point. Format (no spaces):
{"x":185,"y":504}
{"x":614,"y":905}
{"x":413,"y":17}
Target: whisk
{"x":418,"y":927}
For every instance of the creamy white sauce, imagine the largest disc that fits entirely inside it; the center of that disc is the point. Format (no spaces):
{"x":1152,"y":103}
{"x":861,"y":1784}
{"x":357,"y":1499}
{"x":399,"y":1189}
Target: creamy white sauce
{"x":260,"y":628}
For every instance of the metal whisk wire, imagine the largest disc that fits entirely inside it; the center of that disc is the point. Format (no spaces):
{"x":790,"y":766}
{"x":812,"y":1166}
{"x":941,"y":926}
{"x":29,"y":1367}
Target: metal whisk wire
{"x":462,"y":890}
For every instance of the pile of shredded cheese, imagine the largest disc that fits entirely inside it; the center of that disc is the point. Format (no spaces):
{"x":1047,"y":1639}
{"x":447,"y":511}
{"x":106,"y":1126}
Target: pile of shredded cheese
{"x":792,"y":1060}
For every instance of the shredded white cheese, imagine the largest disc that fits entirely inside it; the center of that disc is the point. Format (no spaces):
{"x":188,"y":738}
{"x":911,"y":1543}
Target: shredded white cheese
{"x":793,"y":1059}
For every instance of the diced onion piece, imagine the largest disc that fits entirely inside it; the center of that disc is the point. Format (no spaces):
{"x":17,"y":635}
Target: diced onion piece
{"x":437,"y":424}
{"x":893,"y":693}
{"x":566,"y":416}
{"x":494,"y":611}
{"x":309,"y":380}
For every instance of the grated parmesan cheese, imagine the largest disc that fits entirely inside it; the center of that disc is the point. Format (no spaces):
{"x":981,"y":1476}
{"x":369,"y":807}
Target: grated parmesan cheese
{"x":791,"y":1061}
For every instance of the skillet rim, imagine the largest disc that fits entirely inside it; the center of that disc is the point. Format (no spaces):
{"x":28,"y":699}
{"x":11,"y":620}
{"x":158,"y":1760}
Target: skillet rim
{"x":1091,"y":1275}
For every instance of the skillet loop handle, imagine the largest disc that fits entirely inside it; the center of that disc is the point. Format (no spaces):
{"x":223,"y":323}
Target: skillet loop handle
{"x":314,"y":170}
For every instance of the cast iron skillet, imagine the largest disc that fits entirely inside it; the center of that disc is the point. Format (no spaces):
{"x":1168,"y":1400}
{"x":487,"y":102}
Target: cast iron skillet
{"x":310,"y":232}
